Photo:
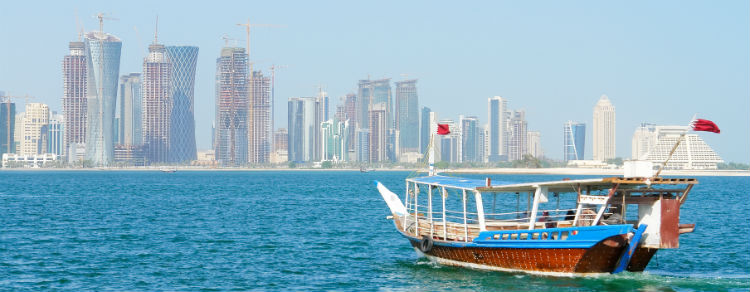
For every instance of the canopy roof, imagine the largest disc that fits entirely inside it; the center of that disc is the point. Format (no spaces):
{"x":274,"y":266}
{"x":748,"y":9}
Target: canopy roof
{"x":553,"y":186}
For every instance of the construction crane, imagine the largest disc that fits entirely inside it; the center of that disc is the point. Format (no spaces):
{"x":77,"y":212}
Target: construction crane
{"x":6,"y":99}
{"x":273,"y":69}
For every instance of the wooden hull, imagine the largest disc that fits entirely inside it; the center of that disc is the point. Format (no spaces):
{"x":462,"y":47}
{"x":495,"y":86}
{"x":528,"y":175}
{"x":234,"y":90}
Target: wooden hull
{"x":600,"y":258}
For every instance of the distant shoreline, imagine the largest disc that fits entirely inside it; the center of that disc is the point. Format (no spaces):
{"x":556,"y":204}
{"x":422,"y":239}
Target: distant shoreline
{"x":540,"y":171}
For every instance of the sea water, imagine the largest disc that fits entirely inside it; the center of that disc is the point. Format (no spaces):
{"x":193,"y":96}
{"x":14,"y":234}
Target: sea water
{"x":297,"y":230}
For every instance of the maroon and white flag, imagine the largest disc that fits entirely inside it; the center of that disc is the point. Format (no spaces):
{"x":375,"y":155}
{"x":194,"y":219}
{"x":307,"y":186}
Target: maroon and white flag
{"x":704,"y":125}
{"x":443,"y":129}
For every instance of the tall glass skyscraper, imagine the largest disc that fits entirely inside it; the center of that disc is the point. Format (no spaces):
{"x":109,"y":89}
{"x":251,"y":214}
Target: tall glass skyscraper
{"x":232,"y":105}
{"x":130,"y":110}
{"x":7,"y":125}
{"x":469,"y":139}
{"x":304,"y":128}
{"x":102,"y":52}
{"x":182,"y":89}
{"x":424,"y":132}
{"x":497,"y":107}
{"x":574,"y":140}
{"x":407,"y":115}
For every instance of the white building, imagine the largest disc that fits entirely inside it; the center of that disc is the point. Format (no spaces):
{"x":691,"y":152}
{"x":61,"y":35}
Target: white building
{"x":655,"y":142}
{"x":27,"y":161}
{"x":534,"y":142}
{"x":604,"y":129}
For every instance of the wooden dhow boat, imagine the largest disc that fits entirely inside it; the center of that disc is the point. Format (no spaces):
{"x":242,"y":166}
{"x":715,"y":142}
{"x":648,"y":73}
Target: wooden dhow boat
{"x":584,"y":226}
{"x":608,"y":225}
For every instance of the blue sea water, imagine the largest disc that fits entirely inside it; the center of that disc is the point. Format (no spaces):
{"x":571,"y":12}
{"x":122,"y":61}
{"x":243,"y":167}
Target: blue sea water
{"x":296,"y":230}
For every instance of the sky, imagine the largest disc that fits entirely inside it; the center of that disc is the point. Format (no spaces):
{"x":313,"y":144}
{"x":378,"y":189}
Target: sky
{"x":658,"y":61}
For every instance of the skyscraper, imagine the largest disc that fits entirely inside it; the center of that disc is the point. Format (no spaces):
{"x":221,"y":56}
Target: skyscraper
{"x":131,"y":128}
{"x":373,"y":92}
{"x":36,"y":121}
{"x":534,"y":142}
{"x":55,"y":135}
{"x":517,"y":134}
{"x":497,"y":106}
{"x":260,"y":132}
{"x":182,"y":91}
{"x":102,"y":71}
{"x":424,"y":131}
{"x":407,"y":116}
{"x":334,"y":140}
{"x":231,"y":107}
{"x":378,"y":133}
{"x":304,"y":126}
{"x":157,"y":103}
{"x":644,"y":139}
{"x":7,"y":125}
{"x":74,"y":99}
{"x":469,"y":139}
{"x":574,"y":140}
{"x":604,"y":129}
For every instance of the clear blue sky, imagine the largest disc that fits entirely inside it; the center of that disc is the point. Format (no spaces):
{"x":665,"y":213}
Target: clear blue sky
{"x":658,"y":61}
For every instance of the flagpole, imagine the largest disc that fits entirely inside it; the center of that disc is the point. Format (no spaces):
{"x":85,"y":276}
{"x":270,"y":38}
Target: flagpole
{"x":670,"y":154}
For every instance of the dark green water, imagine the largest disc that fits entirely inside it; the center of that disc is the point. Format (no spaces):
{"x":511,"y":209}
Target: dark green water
{"x":309,"y":231}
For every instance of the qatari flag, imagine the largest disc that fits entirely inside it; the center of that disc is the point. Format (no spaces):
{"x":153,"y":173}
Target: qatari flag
{"x":443,"y":129}
{"x":704,"y":125}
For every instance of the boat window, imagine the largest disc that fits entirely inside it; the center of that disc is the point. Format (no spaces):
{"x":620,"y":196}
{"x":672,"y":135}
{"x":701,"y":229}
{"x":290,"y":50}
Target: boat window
{"x":554,"y":235}
{"x":544,"y":235}
{"x":524,"y":236}
{"x":505,"y":236}
{"x":564,"y":235}
{"x":496,"y":236}
{"x":535,"y":236}
{"x":514,"y":236}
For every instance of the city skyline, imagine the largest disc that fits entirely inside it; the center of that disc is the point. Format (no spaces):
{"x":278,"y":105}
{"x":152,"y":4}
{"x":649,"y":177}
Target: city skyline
{"x":632,"y":63}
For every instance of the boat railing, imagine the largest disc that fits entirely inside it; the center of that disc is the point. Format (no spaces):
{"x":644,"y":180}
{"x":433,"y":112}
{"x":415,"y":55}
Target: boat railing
{"x":450,"y":225}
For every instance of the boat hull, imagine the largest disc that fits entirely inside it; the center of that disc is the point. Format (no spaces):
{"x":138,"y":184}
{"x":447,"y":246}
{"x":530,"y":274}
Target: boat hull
{"x":600,"y":258}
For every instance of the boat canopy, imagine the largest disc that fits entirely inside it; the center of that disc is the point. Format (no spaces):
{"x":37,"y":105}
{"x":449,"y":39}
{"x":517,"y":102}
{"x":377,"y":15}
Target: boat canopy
{"x":566,"y":185}
{"x":450,"y":182}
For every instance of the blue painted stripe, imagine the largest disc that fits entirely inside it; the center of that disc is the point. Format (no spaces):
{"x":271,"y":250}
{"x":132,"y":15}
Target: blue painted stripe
{"x":585,"y":237}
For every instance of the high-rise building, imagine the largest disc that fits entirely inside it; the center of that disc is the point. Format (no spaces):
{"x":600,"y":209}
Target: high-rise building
{"x":534,"y":142}
{"x":644,"y":139}
{"x":517,"y":134}
{"x":692,"y":152}
{"x":304,"y":129}
{"x":424,"y":130}
{"x":7,"y":125}
{"x":324,"y":104}
{"x":378,"y":133}
{"x":157,"y":104}
{"x":363,"y":145}
{"x":231,"y":107}
{"x":260,"y":131}
{"x":407,"y":116}
{"x":450,"y":148}
{"x":604,"y":129}
{"x":334,"y":140}
{"x":182,"y":91}
{"x":280,"y":139}
{"x":18,"y":132}
{"x":102,"y":71}
{"x":469,"y":139}
{"x":574,"y":140}
{"x":373,"y":92}
{"x":36,"y":121}
{"x":131,"y":128}
{"x":55,"y":135}
{"x":74,"y":99}
{"x":496,"y":111}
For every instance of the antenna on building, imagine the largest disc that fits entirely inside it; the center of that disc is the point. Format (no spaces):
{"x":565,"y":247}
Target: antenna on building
{"x":156,"y":30}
